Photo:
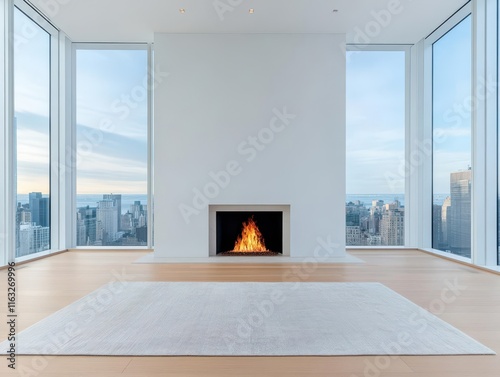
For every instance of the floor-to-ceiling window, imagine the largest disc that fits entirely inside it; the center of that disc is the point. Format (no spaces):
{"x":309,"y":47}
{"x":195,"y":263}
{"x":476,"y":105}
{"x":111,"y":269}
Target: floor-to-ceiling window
{"x":5,"y":256}
{"x":452,"y":105}
{"x":112,"y":91}
{"x":498,"y":133}
{"x":376,"y":169}
{"x":32,"y":124}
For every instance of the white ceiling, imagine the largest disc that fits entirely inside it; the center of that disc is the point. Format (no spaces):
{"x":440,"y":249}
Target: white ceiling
{"x":137,"y":20}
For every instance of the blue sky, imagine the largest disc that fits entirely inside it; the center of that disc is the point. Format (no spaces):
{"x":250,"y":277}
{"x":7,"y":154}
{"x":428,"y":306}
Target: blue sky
{"x":376,"y":118}
{"x":375,"y":121}
{"x":452,"y":73}
{"x":111,"y":92}
{"x":111,"y":158}
{"x":115,"y":159}
{"x":32,"y":78}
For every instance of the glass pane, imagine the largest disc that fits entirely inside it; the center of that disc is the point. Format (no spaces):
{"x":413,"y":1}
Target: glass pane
{"x":32,"y":127}
{"x":452,"y":143}
{"x":112,"y":115}
{"x":376,"y":93}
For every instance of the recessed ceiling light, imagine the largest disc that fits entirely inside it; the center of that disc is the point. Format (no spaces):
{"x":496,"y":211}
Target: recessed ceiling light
{"x":182,"y":10}
{"x":251,"y":11}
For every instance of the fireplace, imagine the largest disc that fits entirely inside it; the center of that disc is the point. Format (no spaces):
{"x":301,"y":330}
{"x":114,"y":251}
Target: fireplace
{"x":249,"y":230}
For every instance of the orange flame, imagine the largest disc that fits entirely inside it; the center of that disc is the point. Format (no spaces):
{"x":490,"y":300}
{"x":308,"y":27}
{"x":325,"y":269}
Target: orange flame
{"x":250,"y":238}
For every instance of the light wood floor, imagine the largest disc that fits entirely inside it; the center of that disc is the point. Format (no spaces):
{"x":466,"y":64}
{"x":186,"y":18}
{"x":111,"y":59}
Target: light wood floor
{"x":50,"y":284}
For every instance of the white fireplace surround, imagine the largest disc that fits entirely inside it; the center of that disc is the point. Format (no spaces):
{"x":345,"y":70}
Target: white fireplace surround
{"x":212,"y":222}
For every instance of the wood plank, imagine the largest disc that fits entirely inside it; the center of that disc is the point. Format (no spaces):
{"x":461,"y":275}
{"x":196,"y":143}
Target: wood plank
{"x":47,"y":285}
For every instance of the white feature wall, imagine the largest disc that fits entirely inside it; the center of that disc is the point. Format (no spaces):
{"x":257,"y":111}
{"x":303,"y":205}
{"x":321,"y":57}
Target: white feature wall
{"x":249,"y":119}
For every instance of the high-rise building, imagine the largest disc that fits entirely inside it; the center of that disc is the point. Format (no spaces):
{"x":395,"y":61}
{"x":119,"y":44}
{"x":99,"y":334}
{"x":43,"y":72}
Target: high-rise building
{"x":459,"y":222}
{"x":34,"y":201}
{"x":445,"y":215}
{"x":127,"y":222}
{"x":81,"y":230}
{"x":44,"y":212}
{"x":40,"y":209}
{"x":374,"y":220}
{"x":437,"y":226}
{"x":374,"y":240}
{"x":136,"y":209}
{"x":142,"y":235}
{"x":117,"y":200}
{"x":354,"y":236}
{"x":107,"y":221}
{"x":23,"y":214}
{"x":392,"y":225}
{"x":352,"y":219}
{"x":32,"y":239}
{"x":86,"y":226}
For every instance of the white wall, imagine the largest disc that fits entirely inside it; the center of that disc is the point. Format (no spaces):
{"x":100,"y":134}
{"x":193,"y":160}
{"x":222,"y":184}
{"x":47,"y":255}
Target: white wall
{"x":223,"y":89}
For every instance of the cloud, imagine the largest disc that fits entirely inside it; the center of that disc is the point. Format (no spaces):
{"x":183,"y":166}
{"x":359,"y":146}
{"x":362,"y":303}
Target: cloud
{"x":123,"y":149}
{"x":443,"y":132}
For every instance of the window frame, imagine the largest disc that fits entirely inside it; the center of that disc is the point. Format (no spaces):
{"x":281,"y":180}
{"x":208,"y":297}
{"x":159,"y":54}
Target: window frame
{"x":73,"y":195}
{"x":7,"y":208}
{"x":406,"y":48}
{"x":427,"y":195}
{"x":484,"y":145}
{"x":54,"y":131}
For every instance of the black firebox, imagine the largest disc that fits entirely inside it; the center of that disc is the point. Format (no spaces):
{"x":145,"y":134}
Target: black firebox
{"x":230,"y":224}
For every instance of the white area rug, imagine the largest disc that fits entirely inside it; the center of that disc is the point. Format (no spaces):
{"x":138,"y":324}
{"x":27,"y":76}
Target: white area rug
{"x":262,"y":319}
{"x":150,"y":259}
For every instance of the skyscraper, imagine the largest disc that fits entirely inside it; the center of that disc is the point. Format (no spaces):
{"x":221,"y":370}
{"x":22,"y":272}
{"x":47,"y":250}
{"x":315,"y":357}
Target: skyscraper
{"x":44,"y":212}
{"x":353,"y":229}
{"x":445,"y":215}
{"x":34,"y":200}
{"x":392,"y":225}
{"x":40,"y":209}
{"x":107,"y":221}
{"x":32,"y":239}
{"x":460,"y":213}
{"x":437,"y":226}
{"x":117,"y":200}
{"x":86,"y":226}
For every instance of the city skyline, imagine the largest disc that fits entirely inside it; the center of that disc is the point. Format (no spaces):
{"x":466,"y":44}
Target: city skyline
{"x":381,"y":224}
{"x":106,"y":224}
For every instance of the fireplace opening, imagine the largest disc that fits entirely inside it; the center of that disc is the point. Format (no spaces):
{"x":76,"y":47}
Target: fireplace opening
{"x":248,"y":233}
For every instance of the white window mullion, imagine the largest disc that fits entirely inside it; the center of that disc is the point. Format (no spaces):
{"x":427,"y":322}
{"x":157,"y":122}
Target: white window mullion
{"x":425,"y":134}
{"x":150,"y":147}
{"x":55,"y":191}
{"x":416,"y":154}
{"x":478,"y":235}
{"x":8,"y":201}
{"x":67,"y":163}
{"x":489,"y":84}
{"x":484,"y":224}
